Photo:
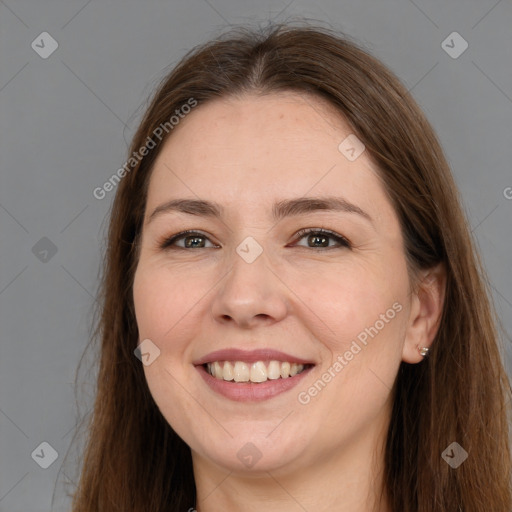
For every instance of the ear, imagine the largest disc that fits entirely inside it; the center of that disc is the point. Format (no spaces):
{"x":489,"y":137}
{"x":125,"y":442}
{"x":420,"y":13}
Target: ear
{"x":425,"y":315}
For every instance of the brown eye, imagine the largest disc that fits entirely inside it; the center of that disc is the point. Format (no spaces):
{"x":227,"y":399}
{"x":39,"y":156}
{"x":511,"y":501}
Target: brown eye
{"x":192,"y":240}
{"x":320,"y":238}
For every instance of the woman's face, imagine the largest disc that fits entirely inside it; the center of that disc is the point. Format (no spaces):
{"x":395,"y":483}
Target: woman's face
{"x":247,"y":284}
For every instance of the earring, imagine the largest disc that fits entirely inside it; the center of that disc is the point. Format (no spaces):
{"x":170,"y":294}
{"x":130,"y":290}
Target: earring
{"x":423,"y":350}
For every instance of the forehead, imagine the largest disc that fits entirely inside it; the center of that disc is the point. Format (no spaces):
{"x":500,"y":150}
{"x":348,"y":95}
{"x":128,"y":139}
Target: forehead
{"x":253,"y":149}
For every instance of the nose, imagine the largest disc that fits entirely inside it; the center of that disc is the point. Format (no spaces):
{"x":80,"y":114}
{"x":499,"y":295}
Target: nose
{"x":251,"y":294}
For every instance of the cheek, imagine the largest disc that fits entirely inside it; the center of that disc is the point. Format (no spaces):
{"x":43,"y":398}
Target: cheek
{"x":353,"y":301}
{"x":360,"y":312}
{"x":366,"y":314}
{"x":163,"y":300}
{"x":163,"y":314}
{"x":169,"y":308}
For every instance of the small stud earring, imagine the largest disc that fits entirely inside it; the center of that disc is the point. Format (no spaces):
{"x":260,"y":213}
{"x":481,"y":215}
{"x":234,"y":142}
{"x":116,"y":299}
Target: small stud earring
{"x":423,"y":351}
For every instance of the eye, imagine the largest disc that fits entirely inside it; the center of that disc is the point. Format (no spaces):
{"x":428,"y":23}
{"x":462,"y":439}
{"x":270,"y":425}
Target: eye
{"x":197,"y":240}
{"x":320,"y":238}
{"x":192,"y":239}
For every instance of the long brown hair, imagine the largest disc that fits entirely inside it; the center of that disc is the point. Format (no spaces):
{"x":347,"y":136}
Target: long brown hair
{"x":133,"y":460}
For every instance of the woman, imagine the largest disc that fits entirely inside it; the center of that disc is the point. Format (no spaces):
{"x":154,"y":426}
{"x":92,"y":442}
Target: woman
{"x":293,"y":316}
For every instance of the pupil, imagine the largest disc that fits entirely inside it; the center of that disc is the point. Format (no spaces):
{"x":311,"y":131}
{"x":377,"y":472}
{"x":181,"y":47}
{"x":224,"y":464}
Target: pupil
{"x":192,"y":241}
{"x":320,"y":237}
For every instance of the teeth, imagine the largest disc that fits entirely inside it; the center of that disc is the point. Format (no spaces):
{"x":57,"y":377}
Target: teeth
{"x":274,"y":370}
{"x":217,"y":369}
{"x":253,"y":372}
{"x":228,"y":373}
{"x":258,"y":372}
{"x":241,"y":372}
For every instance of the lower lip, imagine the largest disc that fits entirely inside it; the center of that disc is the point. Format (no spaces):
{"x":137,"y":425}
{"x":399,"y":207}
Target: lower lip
{"x":250,"y":391}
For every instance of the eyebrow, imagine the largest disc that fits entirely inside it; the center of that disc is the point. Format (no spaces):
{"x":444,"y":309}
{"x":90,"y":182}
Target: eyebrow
{"x":280,"y":209}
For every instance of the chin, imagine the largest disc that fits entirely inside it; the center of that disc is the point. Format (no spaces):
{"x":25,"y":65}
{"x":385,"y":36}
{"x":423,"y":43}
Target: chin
{"x":253,"y":451}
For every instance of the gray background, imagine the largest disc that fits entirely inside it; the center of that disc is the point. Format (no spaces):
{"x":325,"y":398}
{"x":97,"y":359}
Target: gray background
{"x":65,"y":123}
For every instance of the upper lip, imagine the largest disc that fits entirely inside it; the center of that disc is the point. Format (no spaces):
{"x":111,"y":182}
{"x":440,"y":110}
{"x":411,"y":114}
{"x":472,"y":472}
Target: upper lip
{"x":249,"y":356}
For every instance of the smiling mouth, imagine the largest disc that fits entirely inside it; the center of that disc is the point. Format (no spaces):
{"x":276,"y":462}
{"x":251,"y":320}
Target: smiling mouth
{"x":257,"y":372}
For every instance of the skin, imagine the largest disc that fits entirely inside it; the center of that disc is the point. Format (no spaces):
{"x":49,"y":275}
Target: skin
{"x":246,"y":153}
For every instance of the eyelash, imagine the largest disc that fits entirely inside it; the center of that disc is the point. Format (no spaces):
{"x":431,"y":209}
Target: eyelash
{"x":166,"y":243}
